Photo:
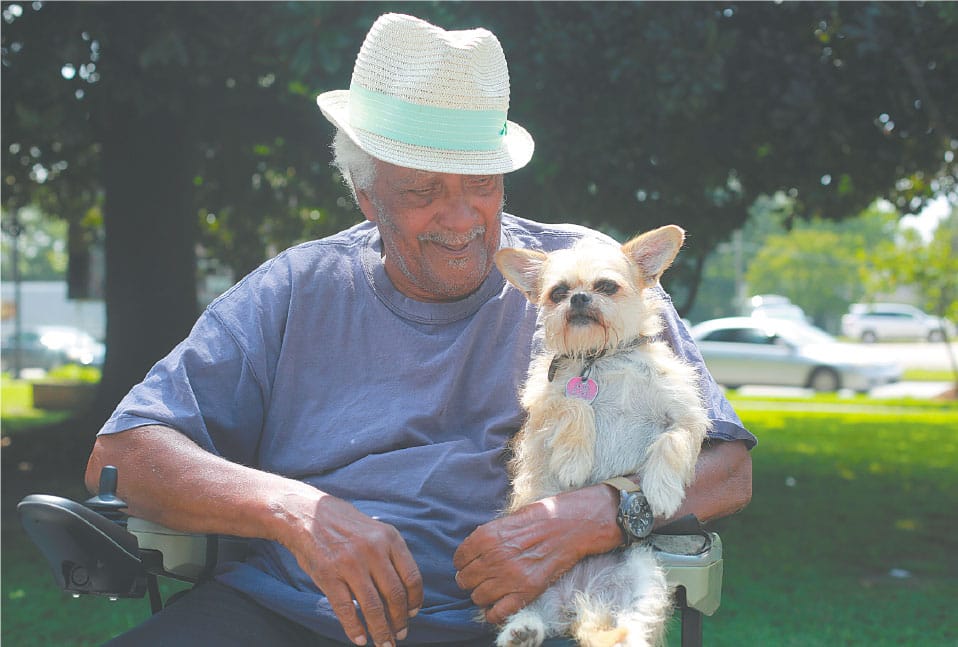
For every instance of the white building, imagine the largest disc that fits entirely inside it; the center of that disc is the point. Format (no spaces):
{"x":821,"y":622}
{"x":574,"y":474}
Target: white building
{"x":45,"y":303}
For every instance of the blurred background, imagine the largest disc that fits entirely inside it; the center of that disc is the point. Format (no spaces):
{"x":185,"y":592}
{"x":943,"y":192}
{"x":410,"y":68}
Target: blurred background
{"x":154,"y":153}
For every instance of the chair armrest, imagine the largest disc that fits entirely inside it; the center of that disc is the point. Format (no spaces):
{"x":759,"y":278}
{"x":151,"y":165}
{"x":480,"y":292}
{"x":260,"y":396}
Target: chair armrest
{"x":695,"y":563}
{"x":87,"y":552}
{"x":182,"y":555}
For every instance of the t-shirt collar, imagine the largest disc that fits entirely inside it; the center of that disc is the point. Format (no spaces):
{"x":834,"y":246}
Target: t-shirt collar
{"x":419,"y":311}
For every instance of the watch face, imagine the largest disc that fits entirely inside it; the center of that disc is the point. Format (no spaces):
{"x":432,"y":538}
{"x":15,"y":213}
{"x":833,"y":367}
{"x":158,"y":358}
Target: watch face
{"x":636,"y":514}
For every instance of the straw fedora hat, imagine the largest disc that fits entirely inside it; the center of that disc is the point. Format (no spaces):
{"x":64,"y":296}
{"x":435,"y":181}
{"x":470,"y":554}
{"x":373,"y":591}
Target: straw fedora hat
{"x":426,"y":98}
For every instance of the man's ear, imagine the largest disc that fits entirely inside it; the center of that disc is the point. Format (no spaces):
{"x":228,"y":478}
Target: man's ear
{"x":523,"y":268}
{"x":366,"y":206}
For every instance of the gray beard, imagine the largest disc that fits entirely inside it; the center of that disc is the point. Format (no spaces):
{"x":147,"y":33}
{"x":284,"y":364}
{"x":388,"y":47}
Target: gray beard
{"x":436,"y":286}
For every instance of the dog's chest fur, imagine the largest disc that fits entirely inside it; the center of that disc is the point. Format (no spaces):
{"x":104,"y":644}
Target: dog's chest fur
{"x":642,"y":392}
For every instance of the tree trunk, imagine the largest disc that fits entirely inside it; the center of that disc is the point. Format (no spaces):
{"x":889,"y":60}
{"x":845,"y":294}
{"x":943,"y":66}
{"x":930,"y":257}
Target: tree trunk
{"x":693,"y":283}
{"x":150,"y":247}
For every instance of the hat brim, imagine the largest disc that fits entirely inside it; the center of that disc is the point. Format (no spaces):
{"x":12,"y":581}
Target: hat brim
{"x":514,"y":153}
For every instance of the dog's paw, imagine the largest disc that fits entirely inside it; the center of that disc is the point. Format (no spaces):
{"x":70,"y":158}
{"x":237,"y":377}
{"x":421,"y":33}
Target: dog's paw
{"x":572,"y":459}
{"x":522,"y":630}
{"x":593,"y":637}
{"x":570,"y":474}
{"x":664,"y":496}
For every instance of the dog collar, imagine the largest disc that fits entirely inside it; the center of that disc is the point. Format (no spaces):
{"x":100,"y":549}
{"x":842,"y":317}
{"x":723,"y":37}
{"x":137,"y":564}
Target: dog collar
{"x":591,"y":357}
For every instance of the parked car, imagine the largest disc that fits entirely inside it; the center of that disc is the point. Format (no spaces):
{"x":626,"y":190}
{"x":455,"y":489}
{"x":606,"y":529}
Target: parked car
{"x":871,"y":322}
{"x":748,"y":350}
{"x":774,"y":306}
{"x":759,"y":300}
{"x":47,"y":347}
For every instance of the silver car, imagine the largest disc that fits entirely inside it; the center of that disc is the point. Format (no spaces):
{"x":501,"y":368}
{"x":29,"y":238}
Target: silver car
{"x":873,"y":321}
{"x":747,"y":350}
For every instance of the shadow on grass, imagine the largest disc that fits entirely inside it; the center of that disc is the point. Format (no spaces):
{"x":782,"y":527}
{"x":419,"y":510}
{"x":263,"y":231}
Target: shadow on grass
{"x":48,"y":459}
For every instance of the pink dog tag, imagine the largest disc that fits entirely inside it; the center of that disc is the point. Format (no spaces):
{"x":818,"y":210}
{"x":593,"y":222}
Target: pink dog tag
{"x":583,"y":389}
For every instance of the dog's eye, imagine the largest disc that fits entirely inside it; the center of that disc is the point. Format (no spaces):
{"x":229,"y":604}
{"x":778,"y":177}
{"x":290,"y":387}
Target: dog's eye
{"x":606,"y":287}
{"x":559,"y":293}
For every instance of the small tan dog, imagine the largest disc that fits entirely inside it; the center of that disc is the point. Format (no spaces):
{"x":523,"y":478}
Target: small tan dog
{"x":603,"y":400}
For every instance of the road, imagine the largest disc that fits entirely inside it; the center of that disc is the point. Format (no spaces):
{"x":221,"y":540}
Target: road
{"x":921,"y":390}
{"x":922,"y":355}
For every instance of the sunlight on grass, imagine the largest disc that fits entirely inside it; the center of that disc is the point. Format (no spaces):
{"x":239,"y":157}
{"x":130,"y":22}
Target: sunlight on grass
{"x":16,"y":408}
{"x":17,"y":412}
{"x":925,"y":375}
{"x":16,"y":396}
{"x":75,"y":373}
{"x":850,"y":536}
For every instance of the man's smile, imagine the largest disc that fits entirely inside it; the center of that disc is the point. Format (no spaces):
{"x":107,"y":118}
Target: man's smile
{"x":454,"y":244}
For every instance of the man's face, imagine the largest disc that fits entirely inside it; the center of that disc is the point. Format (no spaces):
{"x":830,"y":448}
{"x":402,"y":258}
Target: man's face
{"x":440,"y":231}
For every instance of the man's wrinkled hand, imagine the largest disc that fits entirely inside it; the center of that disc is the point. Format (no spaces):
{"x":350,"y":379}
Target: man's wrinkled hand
{"x":508,"y":562}
{"x":352,"y":557}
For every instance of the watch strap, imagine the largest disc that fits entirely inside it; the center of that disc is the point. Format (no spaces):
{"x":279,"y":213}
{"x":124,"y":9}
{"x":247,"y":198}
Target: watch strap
{"x":622,"y":483}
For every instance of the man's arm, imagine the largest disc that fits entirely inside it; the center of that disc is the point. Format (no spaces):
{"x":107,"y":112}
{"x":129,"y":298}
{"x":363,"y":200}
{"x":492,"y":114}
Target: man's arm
{"x":511,"y":560}
{"x":722,"y":485}
{"x":165,"y":477}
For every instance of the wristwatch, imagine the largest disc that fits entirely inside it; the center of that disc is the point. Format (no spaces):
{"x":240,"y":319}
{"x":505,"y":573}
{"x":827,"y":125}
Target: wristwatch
{"x":635,"y":516}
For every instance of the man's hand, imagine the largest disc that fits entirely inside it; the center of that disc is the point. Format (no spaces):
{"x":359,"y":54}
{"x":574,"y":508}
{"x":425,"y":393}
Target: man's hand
{"x":351,"y":556}
{"x":510,"y":561}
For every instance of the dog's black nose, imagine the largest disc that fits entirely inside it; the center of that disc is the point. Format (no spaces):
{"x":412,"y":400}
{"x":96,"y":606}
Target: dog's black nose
{"x":581,"y":300}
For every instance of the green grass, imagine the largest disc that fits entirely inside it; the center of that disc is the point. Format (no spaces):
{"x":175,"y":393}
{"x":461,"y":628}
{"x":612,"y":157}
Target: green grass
{"x":845,"y":491}
{"x":36,"y":613}
{"x":927,"y":375}
{"x":17,"y":412}
{"x":840,"y":499}
{"x":16,"y":408}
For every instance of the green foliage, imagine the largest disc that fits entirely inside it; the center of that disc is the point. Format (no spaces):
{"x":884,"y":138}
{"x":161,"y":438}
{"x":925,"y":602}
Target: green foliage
{"x":193,"y":125}
{"x":820,"y":265}
{"x":824,"y":266}
{"x":931,"y":266}
{"x":42,"y":246}
{"x":643,"y":113}
{"x":233,"y":74}
{"x":723,"y":278}
{"x":655,"y":113}
{"x":811,"y":267}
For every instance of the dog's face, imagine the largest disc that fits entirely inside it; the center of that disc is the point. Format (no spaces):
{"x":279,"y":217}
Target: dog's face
{"x":591,"y":296}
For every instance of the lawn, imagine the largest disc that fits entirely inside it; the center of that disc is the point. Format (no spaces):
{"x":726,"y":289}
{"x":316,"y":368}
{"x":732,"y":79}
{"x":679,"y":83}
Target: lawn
{"x":850,"y":538}
{"x":16,"y":399}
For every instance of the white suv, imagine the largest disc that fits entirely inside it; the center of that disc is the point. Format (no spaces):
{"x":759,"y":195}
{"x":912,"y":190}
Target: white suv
{"x":873,"y":321}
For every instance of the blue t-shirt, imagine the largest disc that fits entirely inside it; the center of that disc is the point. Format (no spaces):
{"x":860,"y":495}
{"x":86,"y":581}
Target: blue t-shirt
{"x":316,"y":368}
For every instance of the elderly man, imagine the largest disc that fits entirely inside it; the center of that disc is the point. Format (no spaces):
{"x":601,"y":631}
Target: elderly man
{"x":348,"y":404}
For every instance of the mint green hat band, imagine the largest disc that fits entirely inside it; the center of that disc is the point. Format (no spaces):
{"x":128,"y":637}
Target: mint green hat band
{"x":429,"y":126}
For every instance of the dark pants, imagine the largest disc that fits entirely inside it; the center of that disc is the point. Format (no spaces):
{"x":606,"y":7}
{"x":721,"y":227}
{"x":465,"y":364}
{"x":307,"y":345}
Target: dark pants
{"x":214,"y":615}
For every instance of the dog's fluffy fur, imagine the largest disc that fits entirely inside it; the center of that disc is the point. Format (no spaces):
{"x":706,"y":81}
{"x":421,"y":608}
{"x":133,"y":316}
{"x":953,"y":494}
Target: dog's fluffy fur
{"x":647,"y":419}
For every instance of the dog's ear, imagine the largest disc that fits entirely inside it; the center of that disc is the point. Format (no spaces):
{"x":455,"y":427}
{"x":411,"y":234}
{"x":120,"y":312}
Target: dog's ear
{"x":654,"y":251}
{"x":522,"y":268}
